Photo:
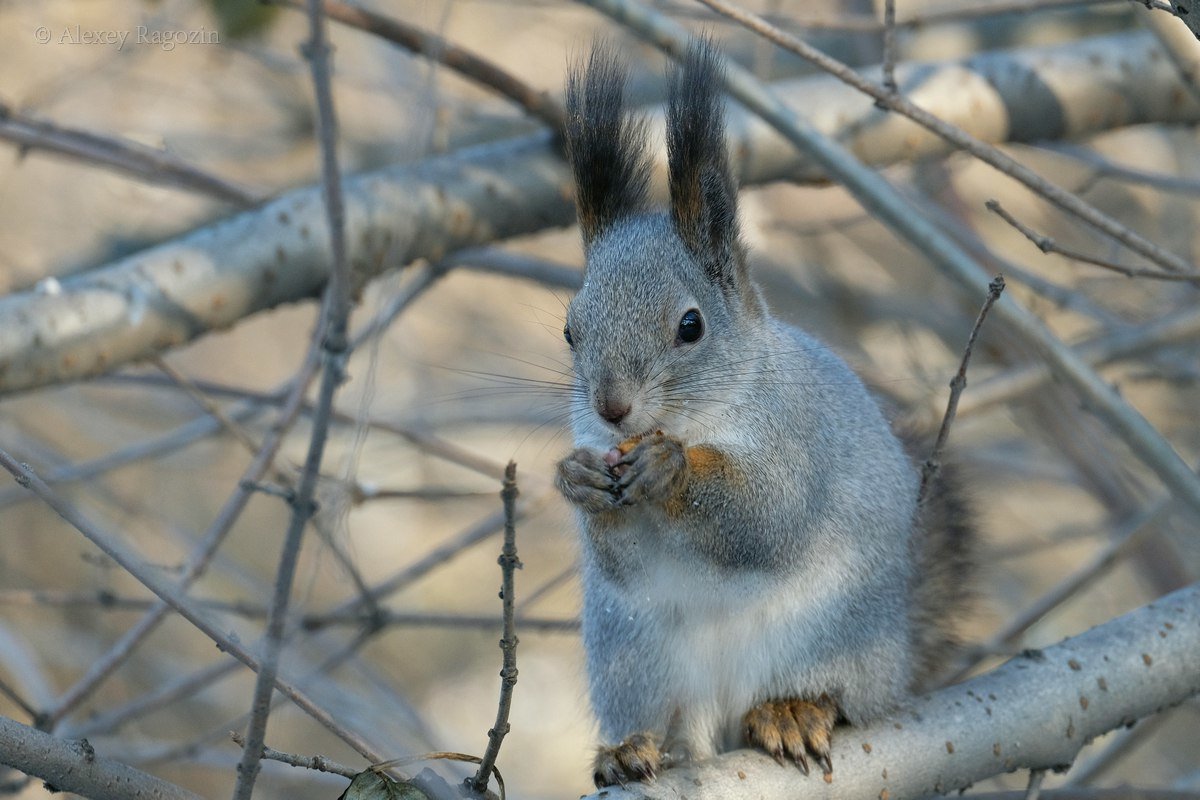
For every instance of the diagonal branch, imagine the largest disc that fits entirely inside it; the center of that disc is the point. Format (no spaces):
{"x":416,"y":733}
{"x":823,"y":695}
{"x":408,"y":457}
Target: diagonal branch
{"x":123,"y":155}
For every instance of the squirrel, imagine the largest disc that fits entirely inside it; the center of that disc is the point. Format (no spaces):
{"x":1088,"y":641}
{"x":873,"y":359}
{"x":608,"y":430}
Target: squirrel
{"x":754,"y":563}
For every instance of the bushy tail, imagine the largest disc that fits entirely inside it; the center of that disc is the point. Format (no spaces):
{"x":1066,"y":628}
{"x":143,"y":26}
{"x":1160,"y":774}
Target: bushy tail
{"x":945,"y":561}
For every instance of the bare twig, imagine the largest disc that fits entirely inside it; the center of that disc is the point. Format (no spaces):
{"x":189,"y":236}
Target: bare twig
{"x":1103,"y":168}
{"x":509,"y":563}
{"x":1120,"y":745}
{"x":460,"y":59}
{"x":17,"y":700}
{"x":889,"y":47}
{"x":1034,"y":790}
{"x":317,"y":763}
{"x":132,"y":158}
{"x":894,"y":101}
{"x":210,"y":408}
{"x":336,"y":315}
{"x":958,"y":383}
{"x":1048,"y":245}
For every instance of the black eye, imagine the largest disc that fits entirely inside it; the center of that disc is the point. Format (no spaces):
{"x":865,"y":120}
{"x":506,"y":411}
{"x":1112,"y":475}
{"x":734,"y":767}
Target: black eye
{"x":691,"y":327}
{"x":567,"y":336}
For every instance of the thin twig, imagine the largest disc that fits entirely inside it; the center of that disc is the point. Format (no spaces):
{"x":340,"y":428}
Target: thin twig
{"x":958,"y":137}
{"x":210,"y":408}
{"x":509,"y":563}
{"x":460,"y":59}
{"x":889,"y":46}
{"x":1034,"y":789}
{"x":15,"y":696}
{"x":132,"y":158}
{"x":1102,"y":169}
{"x":1048,"y":245}
{"x":336,"y":312}
{"x":317,"y":763}
{"x":1119,"y":746}
{"x":932,"y":464}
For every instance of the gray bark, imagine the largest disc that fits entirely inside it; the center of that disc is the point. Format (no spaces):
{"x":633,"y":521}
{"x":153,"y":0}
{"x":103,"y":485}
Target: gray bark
{"x":72,"y":766}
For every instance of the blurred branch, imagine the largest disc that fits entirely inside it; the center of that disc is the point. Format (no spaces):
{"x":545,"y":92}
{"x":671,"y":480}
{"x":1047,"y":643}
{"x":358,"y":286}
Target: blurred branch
{"x":959,"y":137}
{"x":1048,"y":245}
{"x":74,"y":766}
{"x":1034,"y":712}
{"x":1110,"y":346}
{"x":1103,"y":168}
{"x":215,"y":276}
{"x":436,"y":48}
{"x":122,"y":155}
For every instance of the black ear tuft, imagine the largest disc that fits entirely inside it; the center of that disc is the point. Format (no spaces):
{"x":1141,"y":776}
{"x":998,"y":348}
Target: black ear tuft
{"x":605,"y":144}
{"x":703,"y":192}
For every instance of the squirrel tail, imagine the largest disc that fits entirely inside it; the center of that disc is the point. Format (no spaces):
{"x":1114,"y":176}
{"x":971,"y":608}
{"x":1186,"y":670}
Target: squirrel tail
{"x":945,"y":564}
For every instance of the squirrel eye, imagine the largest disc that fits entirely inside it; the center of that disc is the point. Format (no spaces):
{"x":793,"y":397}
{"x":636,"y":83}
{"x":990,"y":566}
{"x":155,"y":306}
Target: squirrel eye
{"x":567,"y":336}
{"x":691,"y":327}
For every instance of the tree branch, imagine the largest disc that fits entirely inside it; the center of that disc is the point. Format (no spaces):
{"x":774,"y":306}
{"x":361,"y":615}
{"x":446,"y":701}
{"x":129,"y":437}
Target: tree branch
{"x":73,"y":766}
{"x":1034,"y":712}
{"x":213,"y":277}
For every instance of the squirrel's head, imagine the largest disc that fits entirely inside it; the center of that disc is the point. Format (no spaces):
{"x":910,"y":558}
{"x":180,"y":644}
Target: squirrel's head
{"x":659,"y":331}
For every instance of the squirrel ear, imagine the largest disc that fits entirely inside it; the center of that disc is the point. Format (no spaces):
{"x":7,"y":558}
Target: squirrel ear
{"x":703,"y":192}
{"x":605,"y":144}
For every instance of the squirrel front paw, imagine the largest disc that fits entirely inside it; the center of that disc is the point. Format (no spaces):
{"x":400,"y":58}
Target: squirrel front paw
{"x":652,"y":471}
{"x":633,"y":760}
{"x":587,"y":481}
{"x":793,"y":729}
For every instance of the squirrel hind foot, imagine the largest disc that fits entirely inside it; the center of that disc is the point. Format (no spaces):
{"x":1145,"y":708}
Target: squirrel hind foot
{"x":637,"y":759}
{"x":793,"y":729}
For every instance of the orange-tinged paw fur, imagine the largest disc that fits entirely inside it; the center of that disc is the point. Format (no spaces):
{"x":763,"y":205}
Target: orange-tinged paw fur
{"x":793,"y":729}
{"x":633,"y":760}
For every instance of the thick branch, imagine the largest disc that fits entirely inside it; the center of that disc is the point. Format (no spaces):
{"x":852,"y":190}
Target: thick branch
{"x":73,"y":766}
{"x":1036,"y":711}
{"x":217,"y":275}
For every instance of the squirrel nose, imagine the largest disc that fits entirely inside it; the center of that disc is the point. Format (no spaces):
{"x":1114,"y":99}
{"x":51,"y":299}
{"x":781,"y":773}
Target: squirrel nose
{"x":613,"y":411}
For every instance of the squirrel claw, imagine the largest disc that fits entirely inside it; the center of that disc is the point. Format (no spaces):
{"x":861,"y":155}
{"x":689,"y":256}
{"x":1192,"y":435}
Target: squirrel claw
{"x":637,"y":759}
{"x":796,"y":728}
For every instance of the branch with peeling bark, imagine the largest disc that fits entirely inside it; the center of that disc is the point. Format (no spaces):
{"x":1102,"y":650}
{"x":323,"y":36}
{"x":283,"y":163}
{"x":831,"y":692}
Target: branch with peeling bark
{"x":1035,"y":712}
{"x":215,"y":276}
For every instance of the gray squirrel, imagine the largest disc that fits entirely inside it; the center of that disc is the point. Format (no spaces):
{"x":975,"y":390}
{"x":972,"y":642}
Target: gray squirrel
{"x":755,"y":565}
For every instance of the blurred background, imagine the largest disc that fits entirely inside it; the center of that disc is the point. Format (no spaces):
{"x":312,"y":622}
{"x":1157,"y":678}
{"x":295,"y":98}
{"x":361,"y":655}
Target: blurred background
{"x":454,"y":388}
